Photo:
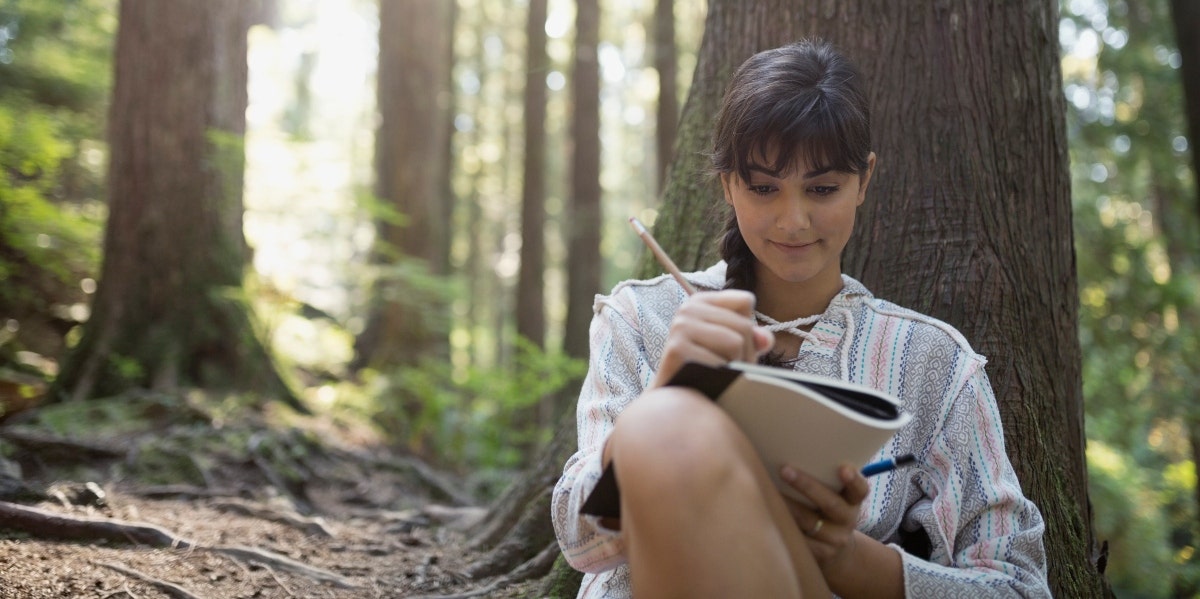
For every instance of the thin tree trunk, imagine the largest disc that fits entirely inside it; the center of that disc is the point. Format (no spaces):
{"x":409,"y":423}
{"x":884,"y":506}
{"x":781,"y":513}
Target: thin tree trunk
{"x":666,"y":62}
{"x":531,"y":299}
{"x":583,"y":218}
{"x":1186,"y":16}
{"x":167,"y":311}
{"x":531,"y":292}
{"x":414,"y":99}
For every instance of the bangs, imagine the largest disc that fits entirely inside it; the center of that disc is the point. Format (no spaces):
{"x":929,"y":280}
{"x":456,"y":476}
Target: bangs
{"x":805,"y":129}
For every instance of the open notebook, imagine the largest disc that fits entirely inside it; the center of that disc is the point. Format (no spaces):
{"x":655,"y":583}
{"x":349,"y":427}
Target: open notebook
{"x":809,"y":422}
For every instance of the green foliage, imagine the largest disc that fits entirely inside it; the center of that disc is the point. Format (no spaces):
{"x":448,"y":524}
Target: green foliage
{"x":1137,"y":243}
{"x":477,"y":418}
{"x":44,"y":246}
{"x":58,"y":54}
{"x":1131,"y":521}
{"x":54,"y":79}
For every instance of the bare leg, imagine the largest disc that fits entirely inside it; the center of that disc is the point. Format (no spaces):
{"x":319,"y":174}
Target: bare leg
{"x":700,"y":515}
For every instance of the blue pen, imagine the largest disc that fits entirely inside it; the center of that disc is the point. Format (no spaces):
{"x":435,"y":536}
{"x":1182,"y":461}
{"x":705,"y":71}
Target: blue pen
{"x":888,"y":465}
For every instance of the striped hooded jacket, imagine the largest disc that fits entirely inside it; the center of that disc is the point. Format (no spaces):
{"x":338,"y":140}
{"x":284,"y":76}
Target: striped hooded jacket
{"x":984,"y":535}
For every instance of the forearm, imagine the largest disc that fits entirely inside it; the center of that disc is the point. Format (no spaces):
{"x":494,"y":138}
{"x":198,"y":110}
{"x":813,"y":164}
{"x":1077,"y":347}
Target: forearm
{"x":873,"y":571}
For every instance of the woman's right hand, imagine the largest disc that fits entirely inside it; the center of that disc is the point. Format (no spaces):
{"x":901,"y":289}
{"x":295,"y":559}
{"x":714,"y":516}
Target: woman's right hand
{"x":713,"y":328}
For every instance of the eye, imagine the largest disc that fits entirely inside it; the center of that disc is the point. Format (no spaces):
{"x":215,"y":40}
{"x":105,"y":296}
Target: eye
{"x":761,"y":190}
{"x":824,"y":190}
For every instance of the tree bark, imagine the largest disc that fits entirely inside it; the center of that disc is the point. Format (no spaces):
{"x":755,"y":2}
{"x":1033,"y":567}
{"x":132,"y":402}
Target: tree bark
{"x":666,"y":63}
{"x":969,"y":215}
{"x":413,"y":90}
{"x":168,"y":310}
{"x":583,"y":218}
{"x":531,"y":299}
{"x":1186,"y":16}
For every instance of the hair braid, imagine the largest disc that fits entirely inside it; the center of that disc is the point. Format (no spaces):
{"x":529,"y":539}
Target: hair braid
{"x":739,"y":260}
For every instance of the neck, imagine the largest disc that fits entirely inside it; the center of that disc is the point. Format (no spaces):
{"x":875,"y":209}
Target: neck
{"x":784,"y":301}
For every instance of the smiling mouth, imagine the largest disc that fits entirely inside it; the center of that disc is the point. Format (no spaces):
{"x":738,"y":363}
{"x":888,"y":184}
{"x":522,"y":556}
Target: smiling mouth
{"x":794,"y":246}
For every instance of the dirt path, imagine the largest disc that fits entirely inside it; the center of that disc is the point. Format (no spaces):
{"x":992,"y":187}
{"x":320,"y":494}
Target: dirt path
{"x":256,"y":513}
{"x":378,"y":553}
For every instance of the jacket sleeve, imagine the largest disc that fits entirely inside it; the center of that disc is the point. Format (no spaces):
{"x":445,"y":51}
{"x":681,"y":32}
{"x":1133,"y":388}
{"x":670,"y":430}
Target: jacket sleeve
{"x":986,"y":535}
{"x":618,"y":371}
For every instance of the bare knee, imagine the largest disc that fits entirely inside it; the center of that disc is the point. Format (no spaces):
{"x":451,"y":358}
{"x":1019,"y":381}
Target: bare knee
{"x":676,"y":440}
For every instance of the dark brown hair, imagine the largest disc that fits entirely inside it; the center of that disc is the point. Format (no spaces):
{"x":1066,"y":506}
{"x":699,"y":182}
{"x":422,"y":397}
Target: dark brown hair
{"x":802,"y":100}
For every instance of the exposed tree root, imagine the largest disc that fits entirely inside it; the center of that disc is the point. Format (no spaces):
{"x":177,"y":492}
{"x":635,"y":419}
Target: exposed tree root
{"x":169,"y":588}
{"x":454,"y":517}
{"x":312,"y":526}
{"x":262,"y":556}
{"x":46,"y":524}
{"x":184,"y":491}
{"x":58,"y":448}
{"x":439,"y":485}
{"x":536,"y":567}
{"x":480,"y":592}
{"x":526,"y":539}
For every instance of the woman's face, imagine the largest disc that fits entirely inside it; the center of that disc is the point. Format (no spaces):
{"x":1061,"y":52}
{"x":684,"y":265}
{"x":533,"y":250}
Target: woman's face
{"x":797,"y":223}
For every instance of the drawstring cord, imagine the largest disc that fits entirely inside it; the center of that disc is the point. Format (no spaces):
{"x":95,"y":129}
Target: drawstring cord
{"x":791,"y":326}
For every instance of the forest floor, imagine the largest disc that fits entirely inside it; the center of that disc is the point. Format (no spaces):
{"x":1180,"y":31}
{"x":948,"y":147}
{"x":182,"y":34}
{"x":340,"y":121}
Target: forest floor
{"x":236,"y":508}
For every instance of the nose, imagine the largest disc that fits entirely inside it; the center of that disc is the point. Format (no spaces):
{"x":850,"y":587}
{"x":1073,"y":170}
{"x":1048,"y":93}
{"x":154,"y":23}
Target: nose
{"x":794,"y":213}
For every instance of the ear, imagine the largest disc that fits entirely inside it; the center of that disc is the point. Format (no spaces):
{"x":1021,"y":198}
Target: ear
{"x":725,"y":183}
{"x":864,"y":179}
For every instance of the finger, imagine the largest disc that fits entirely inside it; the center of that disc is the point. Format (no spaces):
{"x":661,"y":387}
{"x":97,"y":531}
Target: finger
{"x":825,"y":500}
{"x":801,"y":513}
{"x":735,"y":300}
{"x":725,"y":342}
{"x":856,"y":485}
{"x":809,"y":521}
{"x":719,"y":313}
{"x":764,"y":340}
{"x":721,"y":330}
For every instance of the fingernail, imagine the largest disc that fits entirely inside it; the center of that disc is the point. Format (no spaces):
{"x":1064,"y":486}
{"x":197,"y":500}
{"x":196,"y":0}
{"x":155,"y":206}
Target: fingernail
{"x":788,"y":474}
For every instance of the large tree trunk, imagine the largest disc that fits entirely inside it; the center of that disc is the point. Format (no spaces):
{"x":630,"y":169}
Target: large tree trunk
{"x":973,"y":195}
{"x":583,"y":218}
{"x":168,"y":311}
{"x":969,"y":215}
{"x":413,"y":89}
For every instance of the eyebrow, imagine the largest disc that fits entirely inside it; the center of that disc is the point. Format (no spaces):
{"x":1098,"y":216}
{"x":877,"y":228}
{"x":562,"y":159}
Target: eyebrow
{"x":757,"y":168}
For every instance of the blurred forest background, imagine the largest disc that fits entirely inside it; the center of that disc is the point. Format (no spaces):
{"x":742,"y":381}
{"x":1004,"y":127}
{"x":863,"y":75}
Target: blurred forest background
{"x":451,"y":322}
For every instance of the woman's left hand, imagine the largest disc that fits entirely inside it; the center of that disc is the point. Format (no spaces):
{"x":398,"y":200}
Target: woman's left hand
{"x":831,"y":526}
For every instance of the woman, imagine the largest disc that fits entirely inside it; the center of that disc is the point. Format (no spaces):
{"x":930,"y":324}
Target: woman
{"x":700,"y":516}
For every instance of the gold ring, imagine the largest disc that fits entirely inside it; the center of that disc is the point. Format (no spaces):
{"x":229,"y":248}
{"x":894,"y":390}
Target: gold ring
{"x":817,"y":528}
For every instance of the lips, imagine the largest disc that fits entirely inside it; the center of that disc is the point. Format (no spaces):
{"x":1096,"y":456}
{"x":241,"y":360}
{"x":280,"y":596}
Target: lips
{"x":794,"y":246}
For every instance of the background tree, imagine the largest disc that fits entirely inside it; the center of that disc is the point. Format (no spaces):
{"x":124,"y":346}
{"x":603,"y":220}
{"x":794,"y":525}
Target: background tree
{"x":582,"y":223}
{"x":168,"y":309}
{"x":1186,"y":17}
{"x":971,"y":194}
{"x":531,"y":299}
{"x":666,"y":63}
{"x":407,"y":318}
